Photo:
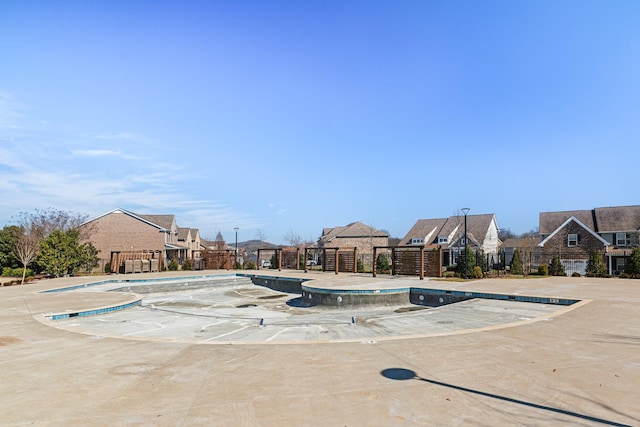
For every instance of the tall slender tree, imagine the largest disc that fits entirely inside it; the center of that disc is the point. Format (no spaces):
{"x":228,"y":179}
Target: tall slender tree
{"x":595,"y":265}
{"x":516,"y":263}
{"x":26,"y":251}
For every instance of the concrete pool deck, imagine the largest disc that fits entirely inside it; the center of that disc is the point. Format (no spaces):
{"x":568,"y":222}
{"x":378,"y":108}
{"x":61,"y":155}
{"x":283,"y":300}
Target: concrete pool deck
{"x":580,"y":367}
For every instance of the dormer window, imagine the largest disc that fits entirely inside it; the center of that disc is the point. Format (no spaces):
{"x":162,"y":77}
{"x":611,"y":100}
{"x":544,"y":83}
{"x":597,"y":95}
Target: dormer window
{"x":416,"y":241}
{"x":443,"y":239}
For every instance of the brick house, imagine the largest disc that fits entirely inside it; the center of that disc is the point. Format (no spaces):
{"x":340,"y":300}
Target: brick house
{"x":573,"y":235}
{"x":123,"y":232}
{"x":482,"y":233}
{"x":355,"y":235}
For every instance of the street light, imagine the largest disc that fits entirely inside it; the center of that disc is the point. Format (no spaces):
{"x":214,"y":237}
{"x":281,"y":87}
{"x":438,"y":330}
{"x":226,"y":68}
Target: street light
{"x":466,"y":261}
{"x":235,"y":259}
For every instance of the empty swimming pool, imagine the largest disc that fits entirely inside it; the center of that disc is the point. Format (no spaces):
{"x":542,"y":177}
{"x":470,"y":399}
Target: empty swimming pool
{"x":232,"y":309}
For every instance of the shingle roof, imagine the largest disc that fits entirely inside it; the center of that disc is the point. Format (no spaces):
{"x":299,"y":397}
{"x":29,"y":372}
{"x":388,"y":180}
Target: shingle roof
{"x":526,"y":242}
{"x":600,"y":220}
{"x":183,"y":233}
{"x":425,"y":228}
{"x":164,"y":221}
{"x":618,"y":218}
{"x":355,"y":229}
{"x":550,"y":221}
{"x":430,"y":229}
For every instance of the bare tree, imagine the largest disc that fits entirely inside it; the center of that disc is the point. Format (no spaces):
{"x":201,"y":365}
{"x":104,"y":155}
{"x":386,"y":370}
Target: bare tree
{"x":260,"y":235}
{"x":41,"y":223}
{"x":506,"y":233}
{"x":292,"y":238}
{"x":26,"y":250}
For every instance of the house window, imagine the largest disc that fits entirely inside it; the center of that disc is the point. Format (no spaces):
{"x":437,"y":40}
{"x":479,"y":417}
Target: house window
{"x":621,"y":239}
{"x":620,"y":264}
{"x":443,"y":239}
{"x":417,"y":241}
{"x":572,"y":240}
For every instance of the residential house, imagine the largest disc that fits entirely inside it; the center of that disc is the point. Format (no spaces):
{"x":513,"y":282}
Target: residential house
{"x":190,"y":238}
{"x":573,"y":235}
{"x":355,"y":235}
{"x":449,"y":234}
{"x":124,"y":232}
{"x":529,"y":252}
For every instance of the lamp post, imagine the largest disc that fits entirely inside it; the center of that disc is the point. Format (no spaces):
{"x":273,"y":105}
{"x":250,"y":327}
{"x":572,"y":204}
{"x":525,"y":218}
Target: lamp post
{"x":235,"y":258}
{"x":466,"y":261}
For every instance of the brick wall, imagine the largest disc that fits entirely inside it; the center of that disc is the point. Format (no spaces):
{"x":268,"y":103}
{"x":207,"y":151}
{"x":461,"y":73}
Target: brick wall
{"x":587,"y":242}
{"x":121,"y":232}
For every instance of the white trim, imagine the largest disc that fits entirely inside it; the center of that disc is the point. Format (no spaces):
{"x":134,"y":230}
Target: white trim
{"x":564,"y":224}
{"x":131,"y":214}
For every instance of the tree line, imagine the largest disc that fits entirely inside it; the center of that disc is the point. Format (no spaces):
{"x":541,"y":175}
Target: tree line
{"x":46,"y":242}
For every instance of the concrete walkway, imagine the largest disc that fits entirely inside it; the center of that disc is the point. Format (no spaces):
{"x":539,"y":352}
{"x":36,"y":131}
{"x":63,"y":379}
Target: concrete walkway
{"x":580,"y":367}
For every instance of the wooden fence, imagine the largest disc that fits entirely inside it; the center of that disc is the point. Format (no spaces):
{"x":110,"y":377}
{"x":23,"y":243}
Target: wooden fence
{"x":413,"y":261}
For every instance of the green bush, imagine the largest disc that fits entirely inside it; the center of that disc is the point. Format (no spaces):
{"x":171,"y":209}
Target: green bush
{"x":556,"y":268}
{"x":250,"y":265}
{"x":382,"y":264}
{"x":632,"y":267}
{"x":516,"y":263}
{"x":15,"y":272}
{"x":173,"y":265}
{"x":187,"y":265}
{"x":543,"y":270}
{"x":107,"y":267}
{"x":575,"y":274}
{"x":596,"y":266}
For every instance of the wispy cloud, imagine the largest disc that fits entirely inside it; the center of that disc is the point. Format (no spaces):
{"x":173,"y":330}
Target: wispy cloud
{"x":125,"y":136}
{"x":9,"y":112}
{"x":95,"y":153}
{"x":46,"y":165}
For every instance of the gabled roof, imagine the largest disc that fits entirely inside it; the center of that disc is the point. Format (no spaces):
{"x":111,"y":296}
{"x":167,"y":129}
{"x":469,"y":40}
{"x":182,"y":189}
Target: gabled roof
{"x":600,"y":220}
{"x":353,"y":230}
{"x":183,"y":233}
{"x":164,"y":221}
{"x":550,"y":221}
{"x":142,"y":218}
{"x":581,"y":224}
{"x":617,"y":218}
{"x":477,"y":227}
{"x":425,"y":228}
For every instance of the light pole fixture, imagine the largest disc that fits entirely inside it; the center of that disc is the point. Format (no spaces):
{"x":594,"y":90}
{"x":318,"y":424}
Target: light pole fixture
{"x":466,"y":261}
{"x":235,"y":259}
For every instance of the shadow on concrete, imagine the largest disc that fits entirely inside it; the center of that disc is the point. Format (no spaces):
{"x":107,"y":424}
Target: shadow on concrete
{"x":402,"y":374}
{"x":297,"y":302}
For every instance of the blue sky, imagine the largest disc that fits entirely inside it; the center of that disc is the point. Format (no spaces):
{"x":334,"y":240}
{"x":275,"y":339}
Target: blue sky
{"x":285,"y":116}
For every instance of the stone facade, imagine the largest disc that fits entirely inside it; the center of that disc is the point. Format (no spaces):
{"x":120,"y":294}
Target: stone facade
{"x":363,"y":244}
{"x":355,"y":235}
{"x":558,"y":244}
